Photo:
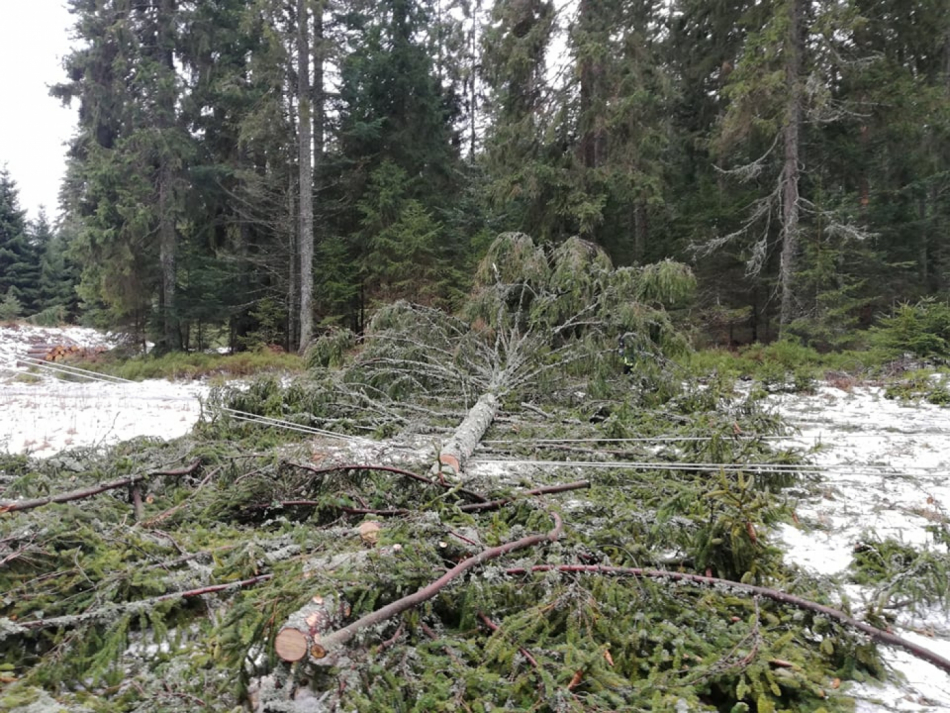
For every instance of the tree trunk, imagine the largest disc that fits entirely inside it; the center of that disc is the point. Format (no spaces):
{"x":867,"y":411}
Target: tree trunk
{"x":640,"y":230}
{"x":593,"y":138}
{"x":305,"y":168}
{"x":460,"y":447}
{"x":791,"y":171}
{"x":167,"y":230}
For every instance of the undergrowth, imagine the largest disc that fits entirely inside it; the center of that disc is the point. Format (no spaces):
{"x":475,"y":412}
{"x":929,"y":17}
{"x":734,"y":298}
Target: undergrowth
{"x":194,"y":365}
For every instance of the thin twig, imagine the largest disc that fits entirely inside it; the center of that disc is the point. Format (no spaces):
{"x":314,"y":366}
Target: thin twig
{"x":495,"y":504}
{"x":495,"y":628}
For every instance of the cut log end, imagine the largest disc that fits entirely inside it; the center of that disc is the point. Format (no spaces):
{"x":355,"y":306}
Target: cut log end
{"x":451,"y":461}
{"x":291,"y":644}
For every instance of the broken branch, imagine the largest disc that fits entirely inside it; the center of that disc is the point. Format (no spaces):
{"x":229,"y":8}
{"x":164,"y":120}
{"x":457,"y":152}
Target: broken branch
{"x":16,"y":505}
{"x":390,"y":469}
{"x":495,"y":504}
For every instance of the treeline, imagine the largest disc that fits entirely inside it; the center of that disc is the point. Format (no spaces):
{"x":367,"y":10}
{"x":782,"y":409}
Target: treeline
{"x":37,"y":275}
{"x":273,"y":167}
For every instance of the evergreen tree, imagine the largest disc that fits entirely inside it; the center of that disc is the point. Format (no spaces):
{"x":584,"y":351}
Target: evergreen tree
{"x":130,"y":156}
{"x":526,"y":166}
{"x":59,"y":274}
{"x":395,"y":116}
{"x":19,"y":256}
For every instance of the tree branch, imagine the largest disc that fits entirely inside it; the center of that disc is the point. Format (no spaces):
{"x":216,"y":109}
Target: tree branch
{"x":390,"y":469}
{"x":324,"y":651}
{"x":15,"y":505}
{"x":884,"y":637}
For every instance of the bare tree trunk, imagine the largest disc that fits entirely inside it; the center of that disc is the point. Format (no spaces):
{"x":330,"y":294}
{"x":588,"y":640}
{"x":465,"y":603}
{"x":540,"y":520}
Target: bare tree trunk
{"x":305,"y":169}
{"x":473,"y":81}
{"x":640,"y":231}
{"x":791,"y":171}
{"x":460,"y":447}
{"x":167,"y":231}
{"x":593,"y":143}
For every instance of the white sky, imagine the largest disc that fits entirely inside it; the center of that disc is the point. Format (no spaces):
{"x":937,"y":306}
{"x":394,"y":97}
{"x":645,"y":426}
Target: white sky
{"x":34,"y":38}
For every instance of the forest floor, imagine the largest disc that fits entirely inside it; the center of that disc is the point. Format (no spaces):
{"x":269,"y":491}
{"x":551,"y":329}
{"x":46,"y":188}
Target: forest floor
{"x":881,"y":466}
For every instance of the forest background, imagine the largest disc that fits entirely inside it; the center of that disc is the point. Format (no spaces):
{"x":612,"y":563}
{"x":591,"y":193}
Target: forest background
{"x":255,"y":171}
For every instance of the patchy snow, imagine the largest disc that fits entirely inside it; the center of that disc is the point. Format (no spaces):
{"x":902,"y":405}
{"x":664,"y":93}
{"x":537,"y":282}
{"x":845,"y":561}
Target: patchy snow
{"x":41,"y":413}
{"x":885,"y":470}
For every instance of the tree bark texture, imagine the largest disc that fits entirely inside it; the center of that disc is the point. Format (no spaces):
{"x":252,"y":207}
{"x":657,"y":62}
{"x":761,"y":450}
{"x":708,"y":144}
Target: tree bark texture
{"x":167,"y":210}
{"x":463,"y":442}
{"x":791,"y":170}
{"x":305,"y":182}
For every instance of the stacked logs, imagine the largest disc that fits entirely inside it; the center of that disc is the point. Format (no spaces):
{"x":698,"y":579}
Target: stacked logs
{"x":61,"y":352}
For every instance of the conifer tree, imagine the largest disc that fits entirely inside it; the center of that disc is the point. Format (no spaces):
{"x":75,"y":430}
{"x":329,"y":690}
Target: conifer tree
{"x":59,"y":274}
{"x":19,"y":257}
{"x":394,"y":112}
{"x":129,"y":158}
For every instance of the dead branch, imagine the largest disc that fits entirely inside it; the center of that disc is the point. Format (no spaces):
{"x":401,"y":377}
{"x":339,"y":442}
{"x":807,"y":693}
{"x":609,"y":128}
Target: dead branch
{"x":390,"y":469}
{"x":324,"y":650}
{"x":495,"y":504}
{"x":16,"y":505}
{"x":884,"y":637}
{"x":108,"y":612}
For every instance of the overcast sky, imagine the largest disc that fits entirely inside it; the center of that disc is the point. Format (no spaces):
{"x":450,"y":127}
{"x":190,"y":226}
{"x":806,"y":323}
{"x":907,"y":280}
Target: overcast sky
{"x":34,"y":38}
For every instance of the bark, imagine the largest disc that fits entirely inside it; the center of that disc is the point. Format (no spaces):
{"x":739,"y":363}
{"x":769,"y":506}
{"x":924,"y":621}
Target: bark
{"x":791,"y":170}
{"x":16,"y":505}
{"x":495,"y":504}
{"x":306,"y":625}
{"x":167,"y":230}
{"x":460,"y":447}
{"x":305,"y":182}
{"x":325,"y":650}
{"x":641,"y":230}
{"x":593,"y":139}
{"x":883,"y":637}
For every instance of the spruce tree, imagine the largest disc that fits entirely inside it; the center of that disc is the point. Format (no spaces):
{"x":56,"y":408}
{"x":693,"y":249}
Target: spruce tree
{"x":19,"y":257}
{"x":59,"y":273}
{"x":129,"y":158}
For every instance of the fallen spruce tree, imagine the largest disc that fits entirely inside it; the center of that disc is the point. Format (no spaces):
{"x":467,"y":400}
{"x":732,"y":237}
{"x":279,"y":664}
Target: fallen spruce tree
{"x":289,"y":571}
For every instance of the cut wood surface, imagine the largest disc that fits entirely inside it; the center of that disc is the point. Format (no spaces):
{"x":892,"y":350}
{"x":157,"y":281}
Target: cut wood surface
{"x":299,"y":636}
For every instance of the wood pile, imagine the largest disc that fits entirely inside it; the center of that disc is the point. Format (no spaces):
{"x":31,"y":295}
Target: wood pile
{"x":61,"y":352}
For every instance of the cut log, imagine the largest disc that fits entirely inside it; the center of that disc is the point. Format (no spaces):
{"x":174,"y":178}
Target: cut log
{"x":300,"y":636}
{"x":463,"y":442}
{"x":325,"y":651}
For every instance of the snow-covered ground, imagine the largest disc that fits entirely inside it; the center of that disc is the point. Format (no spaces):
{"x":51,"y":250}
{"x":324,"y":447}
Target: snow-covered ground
{"x":42,"y":414}
{"x":885,"y":468}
